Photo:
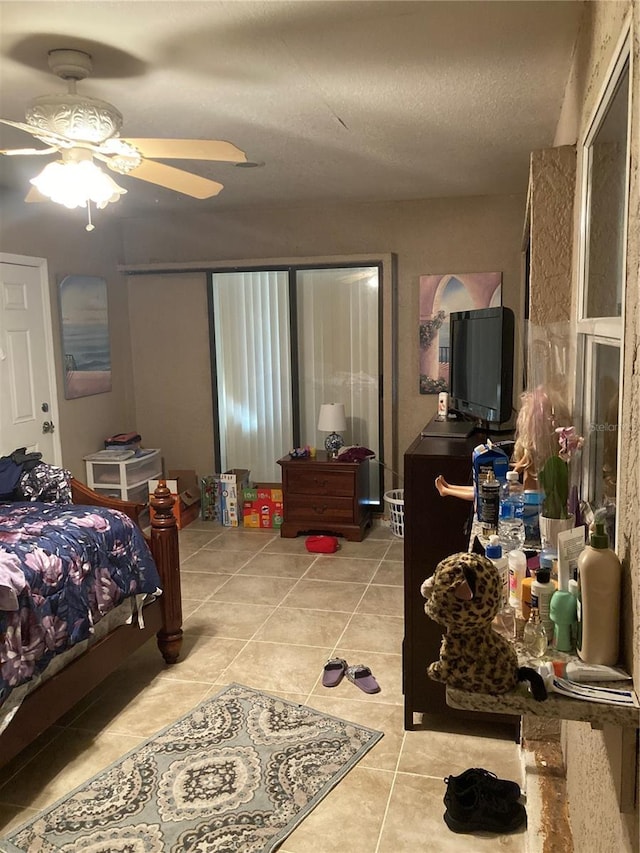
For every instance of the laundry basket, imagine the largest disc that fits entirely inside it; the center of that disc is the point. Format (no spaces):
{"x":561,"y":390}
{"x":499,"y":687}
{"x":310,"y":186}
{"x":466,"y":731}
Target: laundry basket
{"x":395,"y":500}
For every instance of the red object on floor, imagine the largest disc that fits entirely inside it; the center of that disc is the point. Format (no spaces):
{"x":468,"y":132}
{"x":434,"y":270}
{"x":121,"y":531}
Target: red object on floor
{"x":321,"y":544}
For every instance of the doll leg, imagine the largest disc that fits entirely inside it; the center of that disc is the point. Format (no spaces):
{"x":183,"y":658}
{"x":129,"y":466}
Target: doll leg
{"x":466,"y":493}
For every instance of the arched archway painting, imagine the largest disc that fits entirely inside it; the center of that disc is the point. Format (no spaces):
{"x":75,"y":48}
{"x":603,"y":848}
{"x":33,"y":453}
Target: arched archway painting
{"x":439,"y":296}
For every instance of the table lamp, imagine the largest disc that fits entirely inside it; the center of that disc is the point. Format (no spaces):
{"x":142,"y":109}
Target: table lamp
{"x":332,"y":420}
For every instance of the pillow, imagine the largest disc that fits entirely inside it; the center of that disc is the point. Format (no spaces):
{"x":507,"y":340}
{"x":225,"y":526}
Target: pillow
{"x":321,"y":544}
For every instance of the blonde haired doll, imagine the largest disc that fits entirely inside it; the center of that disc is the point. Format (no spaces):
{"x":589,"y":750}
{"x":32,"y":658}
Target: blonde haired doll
{"x":541,"y":412}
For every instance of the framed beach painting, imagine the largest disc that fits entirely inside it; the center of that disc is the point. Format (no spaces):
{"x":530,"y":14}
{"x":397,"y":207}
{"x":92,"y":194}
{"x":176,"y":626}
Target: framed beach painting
{"x":439,"y":296}
{"x":85,"y":336}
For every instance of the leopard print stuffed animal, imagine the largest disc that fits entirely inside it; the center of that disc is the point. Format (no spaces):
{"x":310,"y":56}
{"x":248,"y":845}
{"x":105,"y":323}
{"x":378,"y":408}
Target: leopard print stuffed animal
{"x":464,"y":594}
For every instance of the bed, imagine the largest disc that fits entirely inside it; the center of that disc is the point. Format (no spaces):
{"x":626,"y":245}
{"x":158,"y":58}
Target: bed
{"x":99,"y":655}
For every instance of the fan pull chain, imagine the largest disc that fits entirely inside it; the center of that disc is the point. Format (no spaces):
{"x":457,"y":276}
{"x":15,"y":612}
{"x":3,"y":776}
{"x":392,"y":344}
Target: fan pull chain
{"x":89,"y":226}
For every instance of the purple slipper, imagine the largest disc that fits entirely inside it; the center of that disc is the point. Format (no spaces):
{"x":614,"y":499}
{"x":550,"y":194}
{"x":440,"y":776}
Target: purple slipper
{"x":334,"y":670}
{"x":361,"y":676}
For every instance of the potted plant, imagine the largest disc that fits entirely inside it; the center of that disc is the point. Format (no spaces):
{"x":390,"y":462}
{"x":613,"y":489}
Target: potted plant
{"x":554,"y":479}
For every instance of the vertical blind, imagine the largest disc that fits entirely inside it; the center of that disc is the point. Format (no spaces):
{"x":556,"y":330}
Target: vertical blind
{"x":253,"y":362}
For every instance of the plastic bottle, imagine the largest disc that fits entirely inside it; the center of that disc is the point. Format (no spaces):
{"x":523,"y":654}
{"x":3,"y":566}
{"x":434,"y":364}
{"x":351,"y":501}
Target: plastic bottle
{"x":549,"y":561}
{"x":563,"y":615}
{"x":517,"y":570}
{"x":599,"y":577}
{"x":526,"y":594}
{"x":489,"y":504}
{"x":577,"y":628}
{"x":534,"y":635}
{"x":531,"y":517}
{"x":542,"y":589}
{"x":493,"y":552}
{"x":511,"y":525}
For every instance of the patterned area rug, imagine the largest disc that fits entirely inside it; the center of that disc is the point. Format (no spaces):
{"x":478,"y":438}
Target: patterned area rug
{"x":238,"y":773}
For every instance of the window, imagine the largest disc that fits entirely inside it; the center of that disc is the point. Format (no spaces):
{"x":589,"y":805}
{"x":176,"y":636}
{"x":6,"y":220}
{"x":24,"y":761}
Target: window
{"x":604,"y":179}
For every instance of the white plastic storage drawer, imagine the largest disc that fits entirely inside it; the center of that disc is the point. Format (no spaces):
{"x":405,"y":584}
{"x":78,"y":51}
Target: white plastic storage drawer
{"x":128,"y":473}
{"x":139,"y":494}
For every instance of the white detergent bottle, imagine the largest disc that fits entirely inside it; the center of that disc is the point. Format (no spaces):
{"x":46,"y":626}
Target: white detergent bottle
{"x":599,"y":578}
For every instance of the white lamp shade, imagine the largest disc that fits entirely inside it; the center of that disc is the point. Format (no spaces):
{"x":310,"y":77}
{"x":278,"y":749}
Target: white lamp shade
{"x":75,"y":180}
{"x":332,"y":417}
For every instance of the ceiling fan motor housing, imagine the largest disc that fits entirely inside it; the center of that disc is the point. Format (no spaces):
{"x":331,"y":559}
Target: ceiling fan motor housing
{"x":77,"y":117}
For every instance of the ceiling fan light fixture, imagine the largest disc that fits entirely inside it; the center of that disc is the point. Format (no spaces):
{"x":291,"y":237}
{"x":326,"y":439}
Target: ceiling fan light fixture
{"x":76,"y":180}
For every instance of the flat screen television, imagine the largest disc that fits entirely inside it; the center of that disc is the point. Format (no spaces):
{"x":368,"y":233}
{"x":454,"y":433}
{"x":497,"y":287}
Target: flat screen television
{"x":481,"y":364}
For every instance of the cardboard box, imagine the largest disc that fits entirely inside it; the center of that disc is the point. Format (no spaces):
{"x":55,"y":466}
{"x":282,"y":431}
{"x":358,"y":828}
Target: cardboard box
{"x":264,"y":491}
{"x":183,"y":485}
{"x":263,"y":506}
{"x":232,"y":486}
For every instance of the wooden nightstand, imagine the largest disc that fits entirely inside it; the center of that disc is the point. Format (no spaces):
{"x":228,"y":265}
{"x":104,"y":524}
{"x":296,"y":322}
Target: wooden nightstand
{"x":322,"y":495}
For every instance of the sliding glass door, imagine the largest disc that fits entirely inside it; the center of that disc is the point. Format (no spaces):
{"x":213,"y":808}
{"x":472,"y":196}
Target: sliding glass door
{"x":284,"y":342}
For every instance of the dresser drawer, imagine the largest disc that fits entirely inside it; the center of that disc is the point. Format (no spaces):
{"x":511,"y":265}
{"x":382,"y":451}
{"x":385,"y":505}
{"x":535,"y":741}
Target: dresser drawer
{"x":319,"y":511}
{"x":309,"y":481}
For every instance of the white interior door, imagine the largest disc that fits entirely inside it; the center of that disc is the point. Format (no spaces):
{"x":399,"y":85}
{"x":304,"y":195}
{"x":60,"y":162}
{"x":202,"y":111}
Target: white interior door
{"x":28,"y":398}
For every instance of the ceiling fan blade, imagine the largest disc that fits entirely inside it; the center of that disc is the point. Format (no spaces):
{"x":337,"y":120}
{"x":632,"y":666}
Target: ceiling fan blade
{"x":20,"y":125}
{"x":46,"y":136}
{"x":173,"y":179}
{"x":35,"y":195}
{"x":189,"y":149}
{"x":11,"y":152}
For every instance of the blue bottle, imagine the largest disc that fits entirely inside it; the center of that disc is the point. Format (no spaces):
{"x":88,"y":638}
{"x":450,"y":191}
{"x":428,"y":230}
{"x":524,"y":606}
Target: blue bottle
{"x":531,"y":517}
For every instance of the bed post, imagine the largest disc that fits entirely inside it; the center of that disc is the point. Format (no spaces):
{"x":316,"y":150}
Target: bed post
{"x":164,"y":547}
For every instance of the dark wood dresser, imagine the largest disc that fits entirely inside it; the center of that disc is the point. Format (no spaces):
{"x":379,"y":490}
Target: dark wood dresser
{"x":434,"y":527}
{"x":322,"y":495}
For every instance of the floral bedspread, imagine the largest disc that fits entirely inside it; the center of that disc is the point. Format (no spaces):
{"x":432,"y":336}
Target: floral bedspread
{"x":62,"y":568}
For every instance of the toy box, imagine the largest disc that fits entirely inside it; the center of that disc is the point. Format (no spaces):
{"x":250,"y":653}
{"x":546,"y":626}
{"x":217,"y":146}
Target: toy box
{"x":210,"y":498}
{"x":263,"y":506}
{"x":221,"y":496}
{"x":231,"y":487}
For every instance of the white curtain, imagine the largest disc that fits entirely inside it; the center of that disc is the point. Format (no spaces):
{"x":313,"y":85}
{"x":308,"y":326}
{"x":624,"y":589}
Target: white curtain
{"x":253,"y":355}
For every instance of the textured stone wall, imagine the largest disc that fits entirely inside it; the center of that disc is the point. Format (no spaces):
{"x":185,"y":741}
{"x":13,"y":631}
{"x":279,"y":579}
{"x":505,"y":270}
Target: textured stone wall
{"x":591,"y":761}
{"x":552,"y":182}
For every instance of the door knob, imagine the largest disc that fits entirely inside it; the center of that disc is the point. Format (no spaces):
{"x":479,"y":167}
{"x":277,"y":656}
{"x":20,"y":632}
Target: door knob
{"x":48,"y":426}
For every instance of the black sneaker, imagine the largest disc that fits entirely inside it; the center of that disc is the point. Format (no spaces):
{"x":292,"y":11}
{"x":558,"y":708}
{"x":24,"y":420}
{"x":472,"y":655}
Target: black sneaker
{"x":489,"y":781}
{"x":477,"y":810}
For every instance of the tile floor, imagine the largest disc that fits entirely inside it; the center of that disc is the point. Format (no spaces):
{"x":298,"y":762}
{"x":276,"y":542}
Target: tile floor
{"x":262,"y":611}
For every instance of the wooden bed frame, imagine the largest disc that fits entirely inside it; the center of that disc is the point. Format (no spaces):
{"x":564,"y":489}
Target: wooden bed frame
{"x":163,"y":617}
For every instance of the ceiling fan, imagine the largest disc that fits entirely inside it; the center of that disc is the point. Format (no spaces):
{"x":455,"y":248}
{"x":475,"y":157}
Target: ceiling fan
{"x":83,"y":130}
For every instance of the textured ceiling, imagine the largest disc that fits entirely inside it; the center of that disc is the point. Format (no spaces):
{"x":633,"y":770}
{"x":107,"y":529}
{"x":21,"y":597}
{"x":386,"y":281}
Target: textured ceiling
{"x":341,"y":101}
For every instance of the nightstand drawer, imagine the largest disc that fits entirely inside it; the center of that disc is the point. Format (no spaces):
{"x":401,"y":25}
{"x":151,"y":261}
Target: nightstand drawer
{"x":318,"y":510}
{"x":315,"y":481}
